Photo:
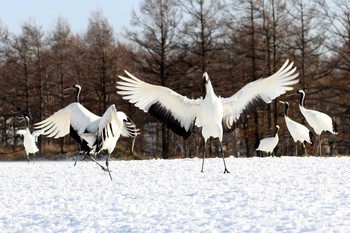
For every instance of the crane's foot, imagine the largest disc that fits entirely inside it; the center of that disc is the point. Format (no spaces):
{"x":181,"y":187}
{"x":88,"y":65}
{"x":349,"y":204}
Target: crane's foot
{"x":226,"y":171}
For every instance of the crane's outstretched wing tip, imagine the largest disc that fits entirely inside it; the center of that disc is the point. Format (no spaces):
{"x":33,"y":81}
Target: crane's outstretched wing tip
{"x":41,"y":123}
{"x":283,"y":67}
{"x":129,"y":74}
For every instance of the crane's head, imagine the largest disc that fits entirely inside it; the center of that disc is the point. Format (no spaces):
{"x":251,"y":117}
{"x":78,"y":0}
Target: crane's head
{"x":25,"y":118}
{"x":277,"y":129}
{"x":205,"y":78}
{"x":76,"y":87}
{"x":284,"y":102}
{"x":301,"y":92}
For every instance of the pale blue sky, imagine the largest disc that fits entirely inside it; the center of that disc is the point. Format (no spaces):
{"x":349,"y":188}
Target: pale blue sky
{"x":13,"y":13}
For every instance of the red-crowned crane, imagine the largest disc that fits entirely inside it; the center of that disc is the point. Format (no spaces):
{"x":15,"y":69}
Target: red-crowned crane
{"x":269,"y":144}
{"x":319,"y":121}
{"x":83,"y":144}
{"x":298,"y":131}
{"x":30,"y":139}
{"x":213,"y":113}
{"x":98,"y":133}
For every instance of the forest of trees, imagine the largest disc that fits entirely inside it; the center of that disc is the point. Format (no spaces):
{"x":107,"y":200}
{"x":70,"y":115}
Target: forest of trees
{"x":171,"y":43}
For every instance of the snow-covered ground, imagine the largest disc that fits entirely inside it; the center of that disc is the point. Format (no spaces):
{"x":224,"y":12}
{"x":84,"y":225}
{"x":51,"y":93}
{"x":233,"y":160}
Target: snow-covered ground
{"x":284,"y":194}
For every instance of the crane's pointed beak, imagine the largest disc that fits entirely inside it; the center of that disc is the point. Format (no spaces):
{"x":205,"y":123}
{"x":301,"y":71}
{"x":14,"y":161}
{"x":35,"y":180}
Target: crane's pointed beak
{"x":68,"y":88}
{"x":21,"y":119}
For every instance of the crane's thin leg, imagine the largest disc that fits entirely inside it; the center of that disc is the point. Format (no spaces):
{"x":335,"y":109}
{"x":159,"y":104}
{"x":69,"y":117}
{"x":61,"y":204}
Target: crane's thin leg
{"x":101,"y":166}
{"x":223,"y":157}
{"x":107,"y":165}
{"x":76,"y":159}
{"x":319,"y":143}
{"x":318,"y":149}
{"x":205,"y":150}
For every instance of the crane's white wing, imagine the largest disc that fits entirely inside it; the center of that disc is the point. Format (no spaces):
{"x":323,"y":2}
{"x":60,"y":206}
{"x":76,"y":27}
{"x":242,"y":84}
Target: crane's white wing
{"x":298,"y":131}
{"x":259,"y":92}
{"x":105,"y":132}
{"x":36,"y":134}
{"x":110,"y":125}
{"x":21,"y":132}
{"x":128,"y":127}
{"x":109,"y":129}
{"x":74,"y":115}
{"x":176,"y":111}
{"x":268,"y":144}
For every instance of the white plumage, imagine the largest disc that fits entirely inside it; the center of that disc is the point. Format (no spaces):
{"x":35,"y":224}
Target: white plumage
{"x":30,"y":139}
{"x":214,"y":114}
{"x":94,"y":132}
{"x":298,"y":131}
{"x":319,"y":121}
{"x":73,"y":120}
{"x":269,"y":144}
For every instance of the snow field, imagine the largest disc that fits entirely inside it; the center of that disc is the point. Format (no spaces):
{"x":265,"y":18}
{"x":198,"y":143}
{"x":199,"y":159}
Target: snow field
{"x":287,"y":194}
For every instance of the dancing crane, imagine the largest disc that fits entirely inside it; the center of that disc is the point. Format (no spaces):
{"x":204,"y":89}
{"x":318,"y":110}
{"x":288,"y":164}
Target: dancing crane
{"x":214,"y":114}
{"x":98,"y":133}
{"x":30,"y":139}
{"x":74,"y":129}
{"x":269,"y":144}
{"x":298,"y":131}
{"x":319,"y":121}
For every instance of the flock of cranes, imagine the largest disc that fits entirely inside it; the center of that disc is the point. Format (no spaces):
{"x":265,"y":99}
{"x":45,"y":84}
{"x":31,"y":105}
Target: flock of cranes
{"x":319,"y":121}
{"x":215,"y":115}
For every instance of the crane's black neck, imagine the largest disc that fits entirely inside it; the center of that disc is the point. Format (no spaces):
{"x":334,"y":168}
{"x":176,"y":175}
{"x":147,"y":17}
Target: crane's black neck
{"x":276,"y":132}
{"x":287,"y":108}
{"x":302,"y":98}
{"x":27,"y":121}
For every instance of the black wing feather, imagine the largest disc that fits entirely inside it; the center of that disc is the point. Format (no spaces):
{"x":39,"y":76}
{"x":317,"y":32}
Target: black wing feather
{"x":165,"y":116}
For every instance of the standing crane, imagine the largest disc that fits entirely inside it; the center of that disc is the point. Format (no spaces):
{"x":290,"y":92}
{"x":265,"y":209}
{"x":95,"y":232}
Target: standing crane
{"x":298,"y":131}
{"x":269,"y":144}
{"x":30,"y":139}
{"x":319,"y":121}
{"x":214,"y":114}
